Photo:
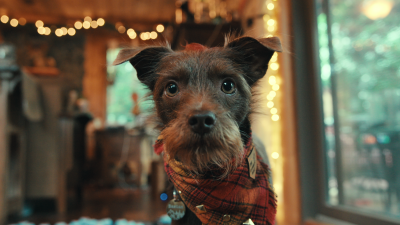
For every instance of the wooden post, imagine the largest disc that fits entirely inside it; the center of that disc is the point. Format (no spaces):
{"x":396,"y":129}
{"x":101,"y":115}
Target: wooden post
{"x":3,"y":150}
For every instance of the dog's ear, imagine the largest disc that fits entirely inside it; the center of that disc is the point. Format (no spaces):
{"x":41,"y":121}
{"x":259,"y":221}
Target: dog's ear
{"x":145,"y":61}
{"x":256,"y":54}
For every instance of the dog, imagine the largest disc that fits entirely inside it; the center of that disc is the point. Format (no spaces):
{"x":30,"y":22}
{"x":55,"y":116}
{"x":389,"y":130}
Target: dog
{"x":203,"y":99}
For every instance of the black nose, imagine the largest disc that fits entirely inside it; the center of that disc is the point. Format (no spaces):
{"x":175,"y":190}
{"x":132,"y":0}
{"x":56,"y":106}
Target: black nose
{"x":202,"y":123}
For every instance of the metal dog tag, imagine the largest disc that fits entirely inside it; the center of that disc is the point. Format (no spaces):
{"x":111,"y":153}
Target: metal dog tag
{"x":175,"y":208}
{"x":252,"y":161}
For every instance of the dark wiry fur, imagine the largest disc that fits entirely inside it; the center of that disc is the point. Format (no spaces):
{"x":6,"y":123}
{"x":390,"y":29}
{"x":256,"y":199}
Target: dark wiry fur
{"x":199,"y":73}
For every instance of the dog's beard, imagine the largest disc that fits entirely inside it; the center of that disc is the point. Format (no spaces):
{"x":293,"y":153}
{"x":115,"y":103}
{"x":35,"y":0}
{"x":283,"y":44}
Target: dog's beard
{"x":218,"y":152}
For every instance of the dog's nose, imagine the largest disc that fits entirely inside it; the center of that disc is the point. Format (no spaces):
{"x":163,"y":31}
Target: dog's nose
{"x":202,"y":123}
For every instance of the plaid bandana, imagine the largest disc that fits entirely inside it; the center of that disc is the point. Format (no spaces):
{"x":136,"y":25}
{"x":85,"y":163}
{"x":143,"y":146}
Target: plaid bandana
{"x":232,"y":200}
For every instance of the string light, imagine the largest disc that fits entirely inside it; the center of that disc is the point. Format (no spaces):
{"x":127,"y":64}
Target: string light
{"x":41,"y":30}
{"x":86,"y":24}
{"x":14,"y":22}
{"x":271,"y":6}
{"x":71,"y":31}
{"x":94,"y":24}
{"x":275,"y":117}
{"x":121,"y":29}
{"x":47,"y":31}
{"x":39,"y":23}
{"x":275,"y":155}
{"x":4,"y":19}
{"x":270,"y":104}
{"x":87,"y":18}
{"x":64,"y":30}
{"x":101,"y":22}
{"x":275,"y":87}
{"x":153,"y":35}
{"x":78,"y":25}
{"x":160,"y":28}
{"x":272,"y":80}
{"x":59,"y":32}
{"x":274,"y":111}
{"x":22,"y":21}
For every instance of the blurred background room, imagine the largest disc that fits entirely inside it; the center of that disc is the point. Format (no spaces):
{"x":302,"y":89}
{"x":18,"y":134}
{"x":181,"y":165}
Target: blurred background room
{"x":76,"y":139}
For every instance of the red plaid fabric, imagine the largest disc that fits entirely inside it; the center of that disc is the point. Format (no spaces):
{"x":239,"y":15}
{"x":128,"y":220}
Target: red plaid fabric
{"x":238,"y":195}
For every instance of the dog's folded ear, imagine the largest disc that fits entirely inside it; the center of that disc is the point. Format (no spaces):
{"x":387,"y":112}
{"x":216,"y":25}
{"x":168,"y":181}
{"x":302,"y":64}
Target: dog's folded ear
{"x":144,"y":60}
{"x":255,"y":53}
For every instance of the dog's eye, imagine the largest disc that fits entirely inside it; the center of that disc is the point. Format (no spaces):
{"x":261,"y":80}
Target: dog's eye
{"x":228,"y":87}
{"x":171,"y":90}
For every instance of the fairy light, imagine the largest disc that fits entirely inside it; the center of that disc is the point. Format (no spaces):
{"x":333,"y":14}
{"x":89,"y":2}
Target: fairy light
{"x":39,"y":23}
{"x":78,"y":25}
{"x":275,"y":155}
{"x":101,"y":22}
{"x":14,"y":22}
{"x":160,"y":28}
{"x":22,"y":21}
{"x":41,"y":30}
{"x":47,"y":31}
{"x":87,"y":18}
{"x":71,"y":31}
{"x":64,"y":30}
{"x":94,"y":24}
{"x":153,"y":35}
{"x":4,"y":18}
{"x":86,"y":25}
{"x":121,"y":29}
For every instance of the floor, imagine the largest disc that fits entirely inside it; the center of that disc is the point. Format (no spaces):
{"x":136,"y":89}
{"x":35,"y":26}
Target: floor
{"x":129,"y":204}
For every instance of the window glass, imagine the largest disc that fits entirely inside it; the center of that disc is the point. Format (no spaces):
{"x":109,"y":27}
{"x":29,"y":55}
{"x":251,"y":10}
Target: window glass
{"x":360,"y":77}
{"x":126,"y":95}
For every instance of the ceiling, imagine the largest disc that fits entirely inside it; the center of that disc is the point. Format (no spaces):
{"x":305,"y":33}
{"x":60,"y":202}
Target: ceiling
{"x":57,"y":11}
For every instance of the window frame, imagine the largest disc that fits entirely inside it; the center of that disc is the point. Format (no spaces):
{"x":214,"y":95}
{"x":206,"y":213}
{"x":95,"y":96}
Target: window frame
{"x":310,"y":125}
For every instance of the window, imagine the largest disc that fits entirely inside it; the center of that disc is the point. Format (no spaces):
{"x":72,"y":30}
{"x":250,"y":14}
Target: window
{"x":359,"y":55}
{"x":126,"y":95}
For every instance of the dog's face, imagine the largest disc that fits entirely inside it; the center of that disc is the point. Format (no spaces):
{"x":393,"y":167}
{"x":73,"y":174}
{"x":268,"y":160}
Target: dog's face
{"x":202,"y":96}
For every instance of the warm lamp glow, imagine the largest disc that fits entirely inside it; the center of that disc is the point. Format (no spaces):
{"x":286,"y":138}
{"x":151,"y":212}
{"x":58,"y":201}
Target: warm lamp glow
{"x":272,"y":93}
{"x":275,"y":87}
{"x":160,"y":28}
{"x":270,"y":104}
{"x":271,"y":22}
{"x":271,"y":6}
{"x":14,"y":22}
{"x":377,"y":9}
{"x":78,"y":25}
{"x":274,"y":111}
{"x":39,"y":23}
{"x":4,"y":19}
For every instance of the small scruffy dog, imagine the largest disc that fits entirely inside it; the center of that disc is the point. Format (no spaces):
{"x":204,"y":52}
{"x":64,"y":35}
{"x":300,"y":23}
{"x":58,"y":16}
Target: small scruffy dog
{"x":203,"y":98}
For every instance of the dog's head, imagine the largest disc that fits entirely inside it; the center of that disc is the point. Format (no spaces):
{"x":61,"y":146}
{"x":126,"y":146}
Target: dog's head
{"x":202,"y":96}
